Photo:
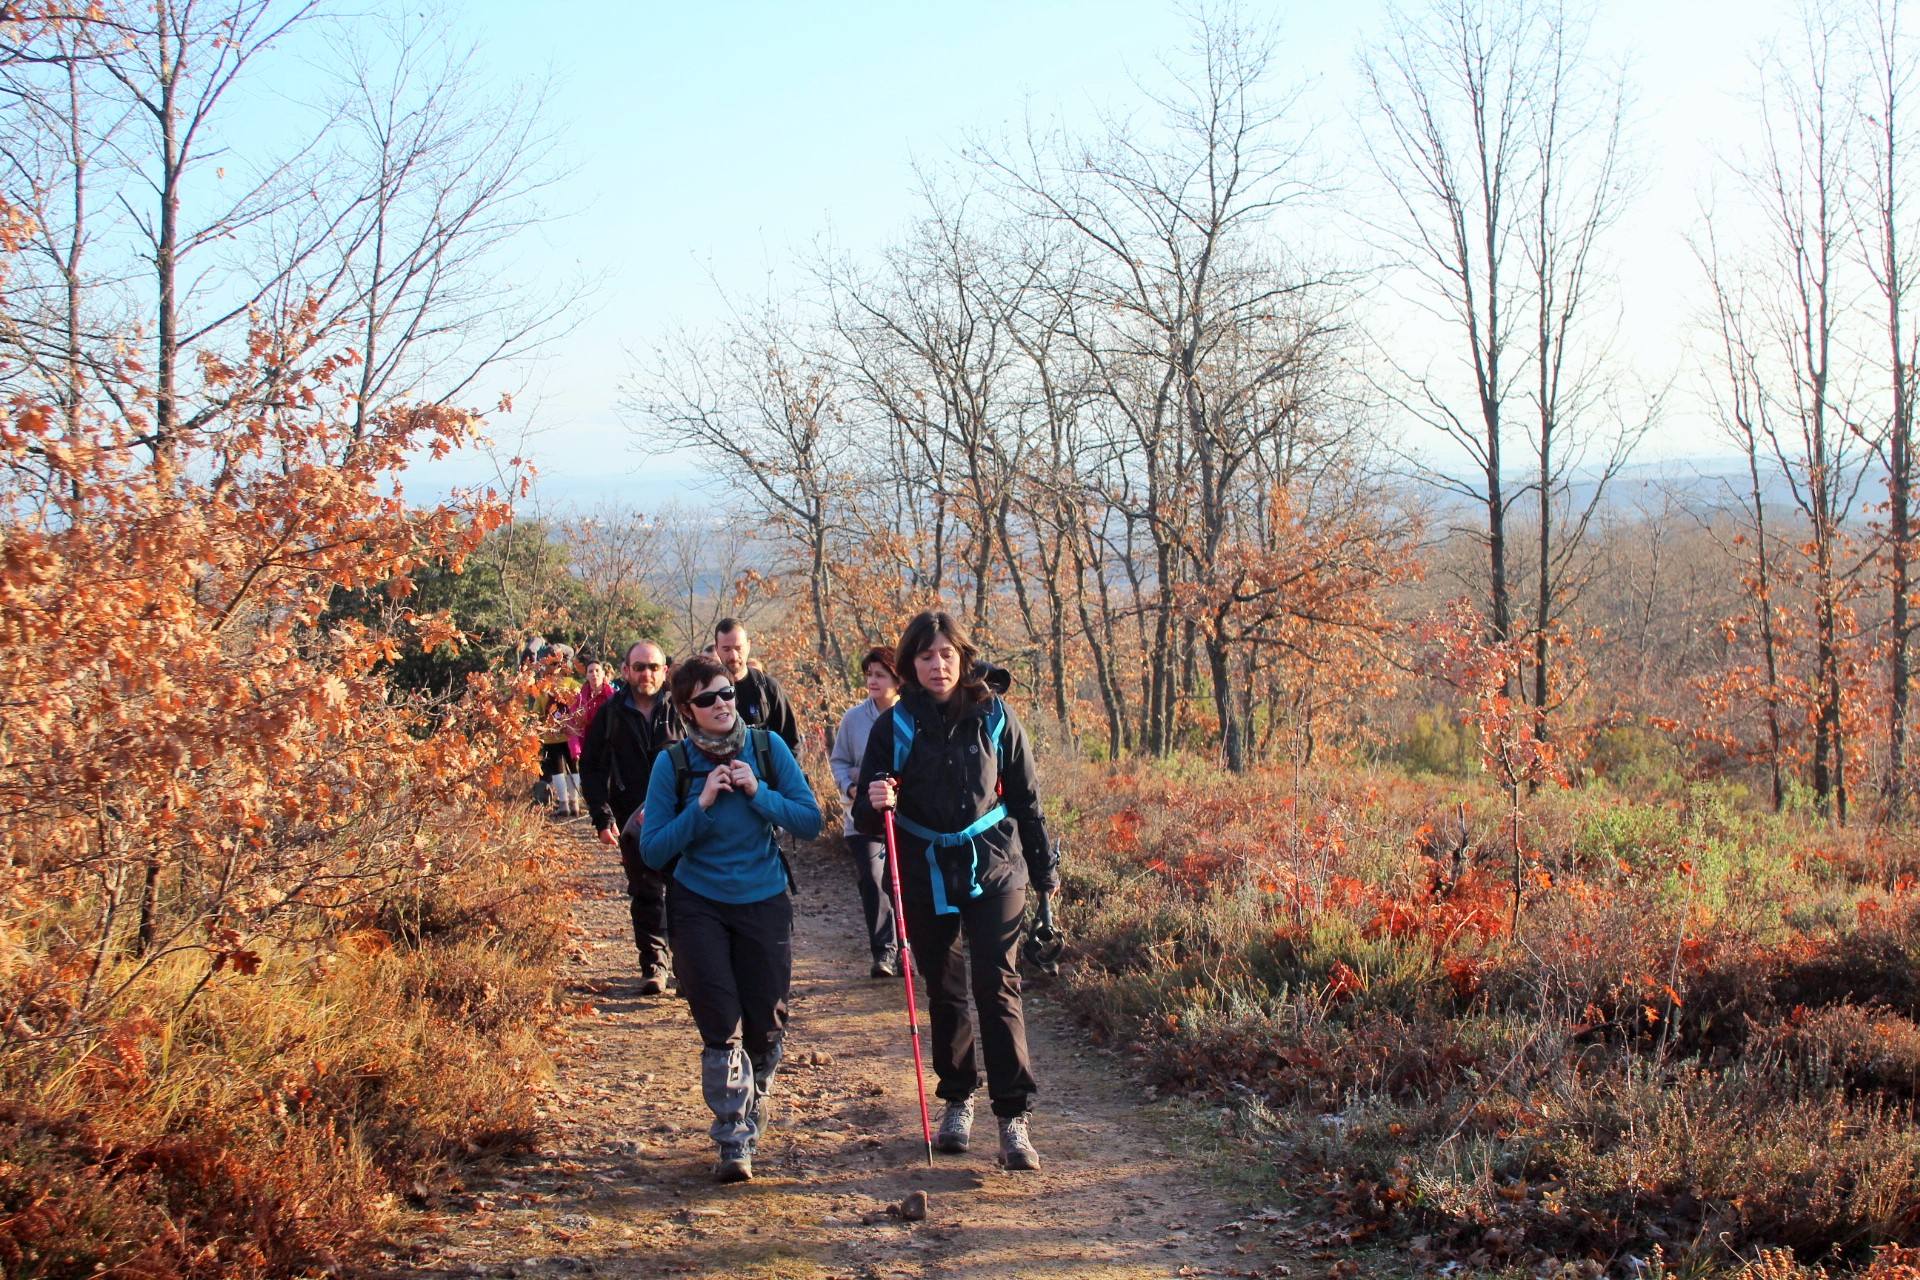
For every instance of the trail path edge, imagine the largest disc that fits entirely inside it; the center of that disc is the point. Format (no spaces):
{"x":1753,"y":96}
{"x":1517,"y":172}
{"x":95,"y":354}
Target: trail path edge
{"x":621,"y":1185}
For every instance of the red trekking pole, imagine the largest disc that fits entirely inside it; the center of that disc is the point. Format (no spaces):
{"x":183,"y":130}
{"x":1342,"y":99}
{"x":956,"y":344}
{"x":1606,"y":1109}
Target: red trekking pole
{"x":906,"y":971}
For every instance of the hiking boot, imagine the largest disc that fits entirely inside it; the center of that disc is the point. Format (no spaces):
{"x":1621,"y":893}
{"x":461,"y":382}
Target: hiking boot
{"x":653,"y":982}
{"x":1016,"y":1148}
{"x":884,"y":967}
{"x":956,"y":1128}
{"x":736,"y":1163}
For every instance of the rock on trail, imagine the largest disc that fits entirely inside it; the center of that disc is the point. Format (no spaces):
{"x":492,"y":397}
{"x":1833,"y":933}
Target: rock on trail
{"x":622,"y":1184}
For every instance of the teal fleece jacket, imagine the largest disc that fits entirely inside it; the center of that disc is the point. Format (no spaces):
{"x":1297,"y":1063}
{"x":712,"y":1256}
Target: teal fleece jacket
{"x":726,"y":853}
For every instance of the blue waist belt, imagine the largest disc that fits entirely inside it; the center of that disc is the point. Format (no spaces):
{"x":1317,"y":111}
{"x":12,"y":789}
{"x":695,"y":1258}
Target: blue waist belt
{"x":952,"y":840}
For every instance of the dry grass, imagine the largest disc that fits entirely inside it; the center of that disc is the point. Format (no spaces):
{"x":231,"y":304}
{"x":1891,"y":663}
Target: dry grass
{"x":284,"y":1119}
{"x":1704,"y":1036}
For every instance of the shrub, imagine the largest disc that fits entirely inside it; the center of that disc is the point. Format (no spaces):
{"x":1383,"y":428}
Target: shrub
{"x":1438,"y":743}
{"x":1708,"y":1039}
{"x":1636,"y":760}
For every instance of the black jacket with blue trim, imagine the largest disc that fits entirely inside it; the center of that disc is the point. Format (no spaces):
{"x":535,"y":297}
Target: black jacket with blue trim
{"x":952,"y":776}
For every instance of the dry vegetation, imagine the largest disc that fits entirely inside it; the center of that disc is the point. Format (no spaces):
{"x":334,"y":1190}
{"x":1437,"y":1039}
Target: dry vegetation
{"x":273,"y":945}
{"x":286,"y":1118}
{"x":275,"y":948}
{"x":1705,"y":1036}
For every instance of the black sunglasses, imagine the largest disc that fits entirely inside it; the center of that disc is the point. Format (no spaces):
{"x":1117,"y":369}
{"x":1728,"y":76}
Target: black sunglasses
{"x":711,"y":696}
{"x":646,"y":666}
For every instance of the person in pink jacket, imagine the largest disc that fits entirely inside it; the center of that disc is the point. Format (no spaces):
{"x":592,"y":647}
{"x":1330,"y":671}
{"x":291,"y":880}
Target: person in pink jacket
{"x":592,"y":696}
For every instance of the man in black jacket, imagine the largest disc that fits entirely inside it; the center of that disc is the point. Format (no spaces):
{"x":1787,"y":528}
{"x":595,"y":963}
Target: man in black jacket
{"x":758,"y":697}
{"x":616,"y":760}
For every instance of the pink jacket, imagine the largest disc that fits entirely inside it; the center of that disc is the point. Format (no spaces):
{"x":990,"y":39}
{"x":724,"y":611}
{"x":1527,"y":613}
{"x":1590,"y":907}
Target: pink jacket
{"x":580,"y":716}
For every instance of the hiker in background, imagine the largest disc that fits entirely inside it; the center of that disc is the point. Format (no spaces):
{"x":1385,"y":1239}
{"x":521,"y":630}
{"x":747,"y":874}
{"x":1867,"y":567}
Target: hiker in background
{"x":616,"y":761}
{"x":551,"y":709}
{"x":869,"y":852}
{"x":713,"y":802}
{"x":761,"y":699}
{"x":953,"y":764}
{"x":595,"y":689}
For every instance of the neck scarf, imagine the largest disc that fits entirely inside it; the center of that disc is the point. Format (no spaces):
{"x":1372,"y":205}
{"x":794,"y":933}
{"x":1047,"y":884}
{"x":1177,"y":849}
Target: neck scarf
{"x":723,"y":748}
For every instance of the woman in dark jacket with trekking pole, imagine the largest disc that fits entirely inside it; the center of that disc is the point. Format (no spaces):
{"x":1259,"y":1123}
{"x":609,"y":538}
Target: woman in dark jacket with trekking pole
{"x":953,"y":764}
{"x":712,"y":805}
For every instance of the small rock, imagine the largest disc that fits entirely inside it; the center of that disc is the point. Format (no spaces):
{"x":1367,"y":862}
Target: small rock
{"x":914,"y":1207}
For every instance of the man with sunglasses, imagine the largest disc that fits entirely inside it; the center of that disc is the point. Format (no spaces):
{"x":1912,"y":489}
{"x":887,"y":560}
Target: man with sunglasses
{"x":758,"y":697}
{"x":616,"y":760}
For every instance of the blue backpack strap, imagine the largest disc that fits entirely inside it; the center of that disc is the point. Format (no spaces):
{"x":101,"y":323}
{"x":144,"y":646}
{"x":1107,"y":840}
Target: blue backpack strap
{"x":937,"y":840}
{"x":902,"y":738}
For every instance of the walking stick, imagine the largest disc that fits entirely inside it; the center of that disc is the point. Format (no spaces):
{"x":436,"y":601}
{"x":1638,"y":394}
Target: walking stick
{"x":906,"y":971}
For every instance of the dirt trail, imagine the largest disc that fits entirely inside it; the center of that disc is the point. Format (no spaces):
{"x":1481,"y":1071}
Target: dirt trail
{"x":623,"y":1185}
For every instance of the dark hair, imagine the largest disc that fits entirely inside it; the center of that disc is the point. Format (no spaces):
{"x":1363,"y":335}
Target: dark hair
{"x":882,"y":654}
{"x":727,"y":624}
{"x":920,"y":635}
{"x":690,"y":675}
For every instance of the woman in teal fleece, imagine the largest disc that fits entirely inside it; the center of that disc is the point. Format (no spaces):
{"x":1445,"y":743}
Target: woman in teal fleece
{"x":711,"y":809}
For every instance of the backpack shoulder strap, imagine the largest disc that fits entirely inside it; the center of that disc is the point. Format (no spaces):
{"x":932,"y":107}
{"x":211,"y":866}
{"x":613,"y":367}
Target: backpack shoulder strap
{"x":682,"y":770}
{"x":762,"y":753}
{"x":902,"y":737}
{"x":997,"y":743}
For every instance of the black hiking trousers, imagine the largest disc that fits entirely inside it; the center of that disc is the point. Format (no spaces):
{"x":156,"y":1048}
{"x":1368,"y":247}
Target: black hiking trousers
{"x":876,"y":896}
{"x":734,"y":962}
{"x":976,"y":950}
{"x":647,"y":901}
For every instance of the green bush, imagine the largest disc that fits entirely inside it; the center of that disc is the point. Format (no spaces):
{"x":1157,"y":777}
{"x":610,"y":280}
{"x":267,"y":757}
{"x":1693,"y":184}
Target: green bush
{"x":1438,"y":744}
{"x":1636,"y":760}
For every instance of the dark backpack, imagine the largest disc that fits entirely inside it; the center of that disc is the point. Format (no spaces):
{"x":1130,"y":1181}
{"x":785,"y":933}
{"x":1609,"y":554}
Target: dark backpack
{"x":683,"y":768}
{"x":763,"y":762}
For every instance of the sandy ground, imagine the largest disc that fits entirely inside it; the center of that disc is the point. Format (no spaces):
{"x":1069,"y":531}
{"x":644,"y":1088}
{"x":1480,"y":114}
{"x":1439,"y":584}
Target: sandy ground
{"x":623,"y":1184}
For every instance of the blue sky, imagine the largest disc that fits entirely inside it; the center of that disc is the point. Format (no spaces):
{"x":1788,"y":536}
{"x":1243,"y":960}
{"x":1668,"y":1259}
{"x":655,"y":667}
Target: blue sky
{"x":717,"y":141}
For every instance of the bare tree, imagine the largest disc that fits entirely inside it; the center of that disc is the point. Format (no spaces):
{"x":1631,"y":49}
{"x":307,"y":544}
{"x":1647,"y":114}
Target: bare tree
{"x":927,"y":342}
{"x":1503,"y":153}
{"x":611,"y":550}
{"x":1887,"y":251}
{"x":768,"y":411}
{"x":1801,"y":400}
{"x":1453,"y":93}
{"x":181,"y":276}
{"x":445,"y":171}
{"x":1172,"y":300}
{"x":1744,"y":411}
{"x":1578,"y":192}
{"x":698,"y":557}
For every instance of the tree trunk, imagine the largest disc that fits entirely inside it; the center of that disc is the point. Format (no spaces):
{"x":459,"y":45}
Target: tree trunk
{"x":1159,"y":725}
{"x":1899,"y":497}
{"x":165,"y":263}
{"x":1231,"y":745}
{"x":1769,"y":647}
